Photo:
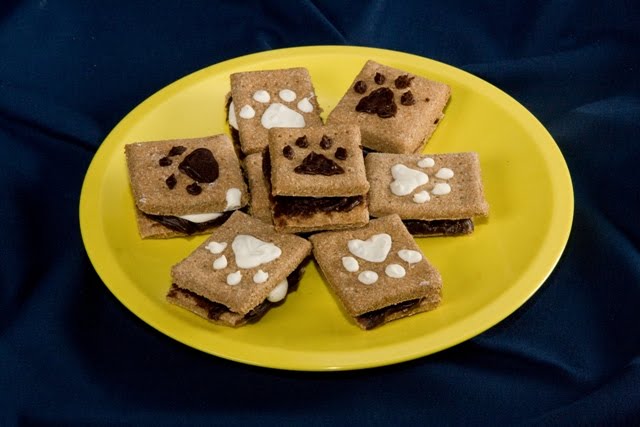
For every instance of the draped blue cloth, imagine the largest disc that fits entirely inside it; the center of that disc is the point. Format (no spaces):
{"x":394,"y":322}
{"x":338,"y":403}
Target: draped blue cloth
{"x":71,"y":354}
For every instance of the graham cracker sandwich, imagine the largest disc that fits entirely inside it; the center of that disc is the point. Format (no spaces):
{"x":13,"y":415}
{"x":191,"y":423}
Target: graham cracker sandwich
{"x":317,"y":177}
{"x":397,"y":111}
{"x":434,"y":195}
{"x":377,"y":273}
{"x":184,"y":186}
{"x":240,"y":272}
{"x":261,"y":100}
{"x":259,"y":188}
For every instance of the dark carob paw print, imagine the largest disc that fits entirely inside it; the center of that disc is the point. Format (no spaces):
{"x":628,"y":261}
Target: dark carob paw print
{"x":381,"y":101}
{"x":200,"y":165}
{"x":315,"y":163}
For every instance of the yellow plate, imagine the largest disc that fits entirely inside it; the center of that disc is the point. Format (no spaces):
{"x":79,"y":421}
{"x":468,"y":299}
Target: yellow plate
{"x":486,"y":276}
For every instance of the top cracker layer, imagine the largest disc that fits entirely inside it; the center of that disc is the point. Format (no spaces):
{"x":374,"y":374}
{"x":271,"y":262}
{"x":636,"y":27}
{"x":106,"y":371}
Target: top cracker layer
{"x":271,"y":98}
{"x":299,"y":157}
{"x":397,"y":112}
{"x":149,"y":174}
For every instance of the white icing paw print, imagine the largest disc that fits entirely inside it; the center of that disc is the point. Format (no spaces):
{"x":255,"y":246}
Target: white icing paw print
{"x":283,"y":110}
{"x":376,"y":249}
{"x":249,"y":252}
{"x":407,"y":180}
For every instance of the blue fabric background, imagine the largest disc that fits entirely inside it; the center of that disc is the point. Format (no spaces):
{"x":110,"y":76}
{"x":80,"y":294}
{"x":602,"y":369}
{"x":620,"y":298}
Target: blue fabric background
{"x":71,"y":354}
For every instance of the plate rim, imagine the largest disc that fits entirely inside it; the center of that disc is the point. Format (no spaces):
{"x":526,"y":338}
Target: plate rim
{"x":505,"y":304}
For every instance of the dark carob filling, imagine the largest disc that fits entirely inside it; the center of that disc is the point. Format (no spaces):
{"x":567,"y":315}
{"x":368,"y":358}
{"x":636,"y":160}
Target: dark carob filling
{"x":377,"y":317}
{"x":182,"y":225}
{"x":439,"y":227}
{"x":305,"y":206}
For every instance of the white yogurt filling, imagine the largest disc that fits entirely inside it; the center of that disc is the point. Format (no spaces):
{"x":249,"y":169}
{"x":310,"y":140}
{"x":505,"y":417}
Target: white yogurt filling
{"x":233,"y":121}
{"x":200,"y":218}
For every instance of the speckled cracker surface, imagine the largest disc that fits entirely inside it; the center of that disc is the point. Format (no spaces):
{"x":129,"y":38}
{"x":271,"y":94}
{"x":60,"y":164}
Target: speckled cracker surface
{"x":148,"y":178}
{"x":411,"y":126}
{"x":465,"y":198}
{"x":197,"y":274}
{"x":342,"y":150}
{"x":259,"y":205}
{"x":244,"y":85}
{"x":421,"y":279}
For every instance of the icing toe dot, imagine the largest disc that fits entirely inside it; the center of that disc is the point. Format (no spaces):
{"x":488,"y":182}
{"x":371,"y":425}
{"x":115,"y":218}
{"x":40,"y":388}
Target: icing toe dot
{"x":444,"y":173}
{"x":287,"y":95}
{"x":215,"y":247}
{"x":421,"y":197}
{"x":350,"y":264}
{"x":260,"y":276}
{"x":262,"y":96}
{"x":368,"y":277}
{"x":234,"y":278}
{"x":441,"y":188}
{"x":247,"y":112}
{"x":409,"y":255}
{"x":220,"y":263}
{"x":395,"y":271}
{"x":426,"y":162}
{"x":305,"y":106}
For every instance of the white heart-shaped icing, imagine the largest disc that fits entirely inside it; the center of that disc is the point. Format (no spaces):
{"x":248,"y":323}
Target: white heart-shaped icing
{"x":280,"y":116}
{"x":251,"y":252}
{"x":374,"y":249}
{"x":406,"y":180}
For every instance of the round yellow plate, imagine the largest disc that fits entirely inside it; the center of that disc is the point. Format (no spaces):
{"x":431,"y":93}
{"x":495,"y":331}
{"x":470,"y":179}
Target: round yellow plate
{"x":486,"y":275}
